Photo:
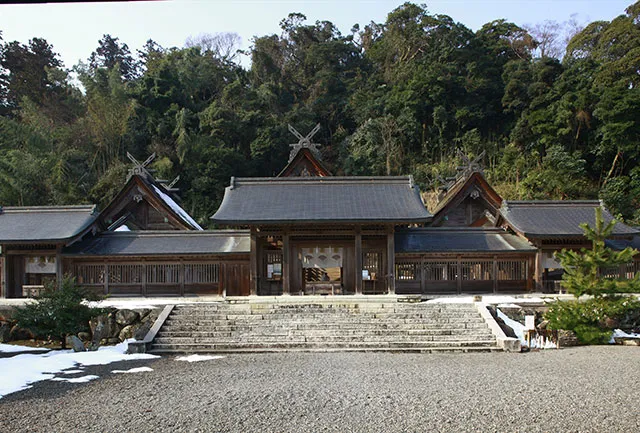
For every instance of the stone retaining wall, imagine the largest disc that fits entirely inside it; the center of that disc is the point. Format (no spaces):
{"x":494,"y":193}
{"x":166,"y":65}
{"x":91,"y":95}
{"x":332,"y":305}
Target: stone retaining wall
{"x":111,"y":328}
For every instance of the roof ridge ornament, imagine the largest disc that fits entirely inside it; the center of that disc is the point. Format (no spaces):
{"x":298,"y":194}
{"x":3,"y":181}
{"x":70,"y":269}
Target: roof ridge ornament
{"x":304,"y":142}
{"x":140,"y":168}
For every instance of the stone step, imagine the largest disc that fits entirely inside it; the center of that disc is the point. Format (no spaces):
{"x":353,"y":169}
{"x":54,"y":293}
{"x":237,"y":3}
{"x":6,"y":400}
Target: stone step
{"x":322,"y":332}
{"x":310,"y":315}
{"x":192,"y":347}
{"x":343,"y":327}
{"x":324,"y":349}
{"x":344,"y":322}
{"x":335,"y":339}
{"x":327,"y":308}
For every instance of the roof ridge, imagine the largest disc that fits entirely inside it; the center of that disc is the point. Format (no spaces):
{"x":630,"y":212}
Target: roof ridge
{"x":551,"y":202}
{"x":173,"y":233}
{"x":67,"y":208}
{"x":319,"y":180}
{"x":453,"y":229}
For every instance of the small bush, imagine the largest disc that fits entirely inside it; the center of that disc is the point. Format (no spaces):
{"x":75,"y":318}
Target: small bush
{"x":58,"y":312}
{"x":592,"y":320}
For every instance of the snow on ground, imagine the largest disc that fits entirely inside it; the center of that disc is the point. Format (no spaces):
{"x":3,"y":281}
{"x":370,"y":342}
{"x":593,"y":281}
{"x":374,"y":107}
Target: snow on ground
{"x":487,"y":299}
{"x":10,"y":348}
{"x":619,"y":333}
{"x":539,"y":342}
{"x":517,"y":327}
{"x":82,"y":379}
{"x":197,"y":358}
{"x":133,"y":370}
{"x":20,"y":371}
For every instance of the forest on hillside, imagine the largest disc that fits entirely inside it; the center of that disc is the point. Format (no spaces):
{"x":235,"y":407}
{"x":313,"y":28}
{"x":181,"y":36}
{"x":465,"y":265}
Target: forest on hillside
{"x":555,"y":107}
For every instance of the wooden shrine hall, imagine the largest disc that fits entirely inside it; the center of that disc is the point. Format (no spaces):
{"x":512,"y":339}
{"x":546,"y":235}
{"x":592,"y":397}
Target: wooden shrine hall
{"x":304,"y":232}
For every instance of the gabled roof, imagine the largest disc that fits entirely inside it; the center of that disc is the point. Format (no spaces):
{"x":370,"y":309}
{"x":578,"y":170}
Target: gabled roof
{"x":285,"y":200}
{"x":45,"y":224}
{"x":461,"y":189}
{"x":556,"y":219}
{"x":460,"y":240}
{"x":621,"y":244}
{"x":149,"y":243}
{"x":305,"y":163}
{"x":156,"y":195}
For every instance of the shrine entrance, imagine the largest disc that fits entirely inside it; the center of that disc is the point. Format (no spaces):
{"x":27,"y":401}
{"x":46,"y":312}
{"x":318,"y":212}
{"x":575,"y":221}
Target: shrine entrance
{"x":301,"y":263}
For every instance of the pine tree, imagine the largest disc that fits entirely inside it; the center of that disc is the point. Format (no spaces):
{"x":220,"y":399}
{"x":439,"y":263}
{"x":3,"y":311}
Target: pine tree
{"x":58,"y":312}
{"x":583,"y":270}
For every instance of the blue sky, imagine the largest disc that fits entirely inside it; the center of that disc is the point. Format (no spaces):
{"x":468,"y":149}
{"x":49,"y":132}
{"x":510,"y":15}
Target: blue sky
{"x":74,"y":29}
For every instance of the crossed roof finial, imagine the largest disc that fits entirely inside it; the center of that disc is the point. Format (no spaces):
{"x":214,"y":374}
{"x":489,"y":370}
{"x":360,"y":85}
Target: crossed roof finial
{"x":304,"y":142}
{"x":139,"y":168}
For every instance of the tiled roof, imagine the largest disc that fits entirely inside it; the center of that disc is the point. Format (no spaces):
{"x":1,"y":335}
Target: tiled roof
{"x":44,"y":223}
{"x":459,"y":240}
{"x":462,"y":185}
{"x":148,"y":243}
{"x":321,"y":200}
{"x":549,"y":219}
{"x":621,"y":244}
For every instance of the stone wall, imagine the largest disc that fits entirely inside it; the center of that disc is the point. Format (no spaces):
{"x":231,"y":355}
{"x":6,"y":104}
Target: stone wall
{"x":111,"y":328}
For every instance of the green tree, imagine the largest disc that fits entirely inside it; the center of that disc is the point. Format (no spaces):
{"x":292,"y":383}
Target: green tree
{"x":585,"y":271}
{"x":58,"y":312}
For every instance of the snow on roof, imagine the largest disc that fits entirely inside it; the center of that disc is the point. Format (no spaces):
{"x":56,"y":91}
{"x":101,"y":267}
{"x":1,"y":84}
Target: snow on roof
{"x":177,"y":209}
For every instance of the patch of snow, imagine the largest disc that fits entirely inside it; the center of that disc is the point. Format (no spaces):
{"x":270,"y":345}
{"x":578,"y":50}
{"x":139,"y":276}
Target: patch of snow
{"x":72,"y":371}
{"x":176,"y":208}
{"x":487,"y":299}
{"x":458,"y":300}
{"x":517,"y":327}
{"x":81,"y":379}
{"x":132,"y":304}
{"x":10,"y":348}
{"x":20,"y":371}
{"x":619,"y":333}
{"x":509,"y":306}
{"x":133,"y":370}
{"x":198,"y":358}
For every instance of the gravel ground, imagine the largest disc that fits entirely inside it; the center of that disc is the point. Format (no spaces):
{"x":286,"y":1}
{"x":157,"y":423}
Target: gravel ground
{"x":581,"y":389}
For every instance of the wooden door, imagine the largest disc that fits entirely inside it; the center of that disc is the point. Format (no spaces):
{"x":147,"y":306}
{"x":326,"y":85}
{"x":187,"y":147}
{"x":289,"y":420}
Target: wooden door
{"x":236,"y":279}
{"x":15,"y":280}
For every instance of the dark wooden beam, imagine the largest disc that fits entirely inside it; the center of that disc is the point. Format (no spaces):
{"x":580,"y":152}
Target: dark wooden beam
{"x":286,"y":268}
{"x":253,"y":263}
{"x":391,"y":262}
{"x":358,"y":261}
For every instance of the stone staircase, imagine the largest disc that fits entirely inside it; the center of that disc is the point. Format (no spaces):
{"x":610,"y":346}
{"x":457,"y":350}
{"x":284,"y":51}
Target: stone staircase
{"x":323,"y":326}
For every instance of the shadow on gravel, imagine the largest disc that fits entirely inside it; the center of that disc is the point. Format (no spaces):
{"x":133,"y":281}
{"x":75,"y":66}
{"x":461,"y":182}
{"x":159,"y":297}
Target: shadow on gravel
{"x":49,"y":389}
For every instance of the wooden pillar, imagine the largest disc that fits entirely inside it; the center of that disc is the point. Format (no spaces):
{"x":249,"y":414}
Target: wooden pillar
{"x":286,"y":268}
{"x":4,"y":275}
{"x":530,"y":273}
{"x":423,"y":281}
{"x":181,"y":277}
{"x":358,"y":261}
{"x":106,"y":278}
{"x":459,"y":279}
{"x":59,"y":273}
{"x":144,"y":278}
{"x":538,"y":270}
{"x":253,"y":263}
{"x":494,"y":274}
{"x":391,"y":262}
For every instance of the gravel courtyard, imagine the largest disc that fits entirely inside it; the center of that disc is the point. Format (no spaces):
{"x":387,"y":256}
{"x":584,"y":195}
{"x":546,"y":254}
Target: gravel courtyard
{"x":580,"y":389}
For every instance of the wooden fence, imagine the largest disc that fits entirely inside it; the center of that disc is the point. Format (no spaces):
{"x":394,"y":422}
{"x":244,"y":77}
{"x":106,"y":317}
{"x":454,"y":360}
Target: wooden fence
{"x":415,"y":275}
{"x":150,"y":278}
